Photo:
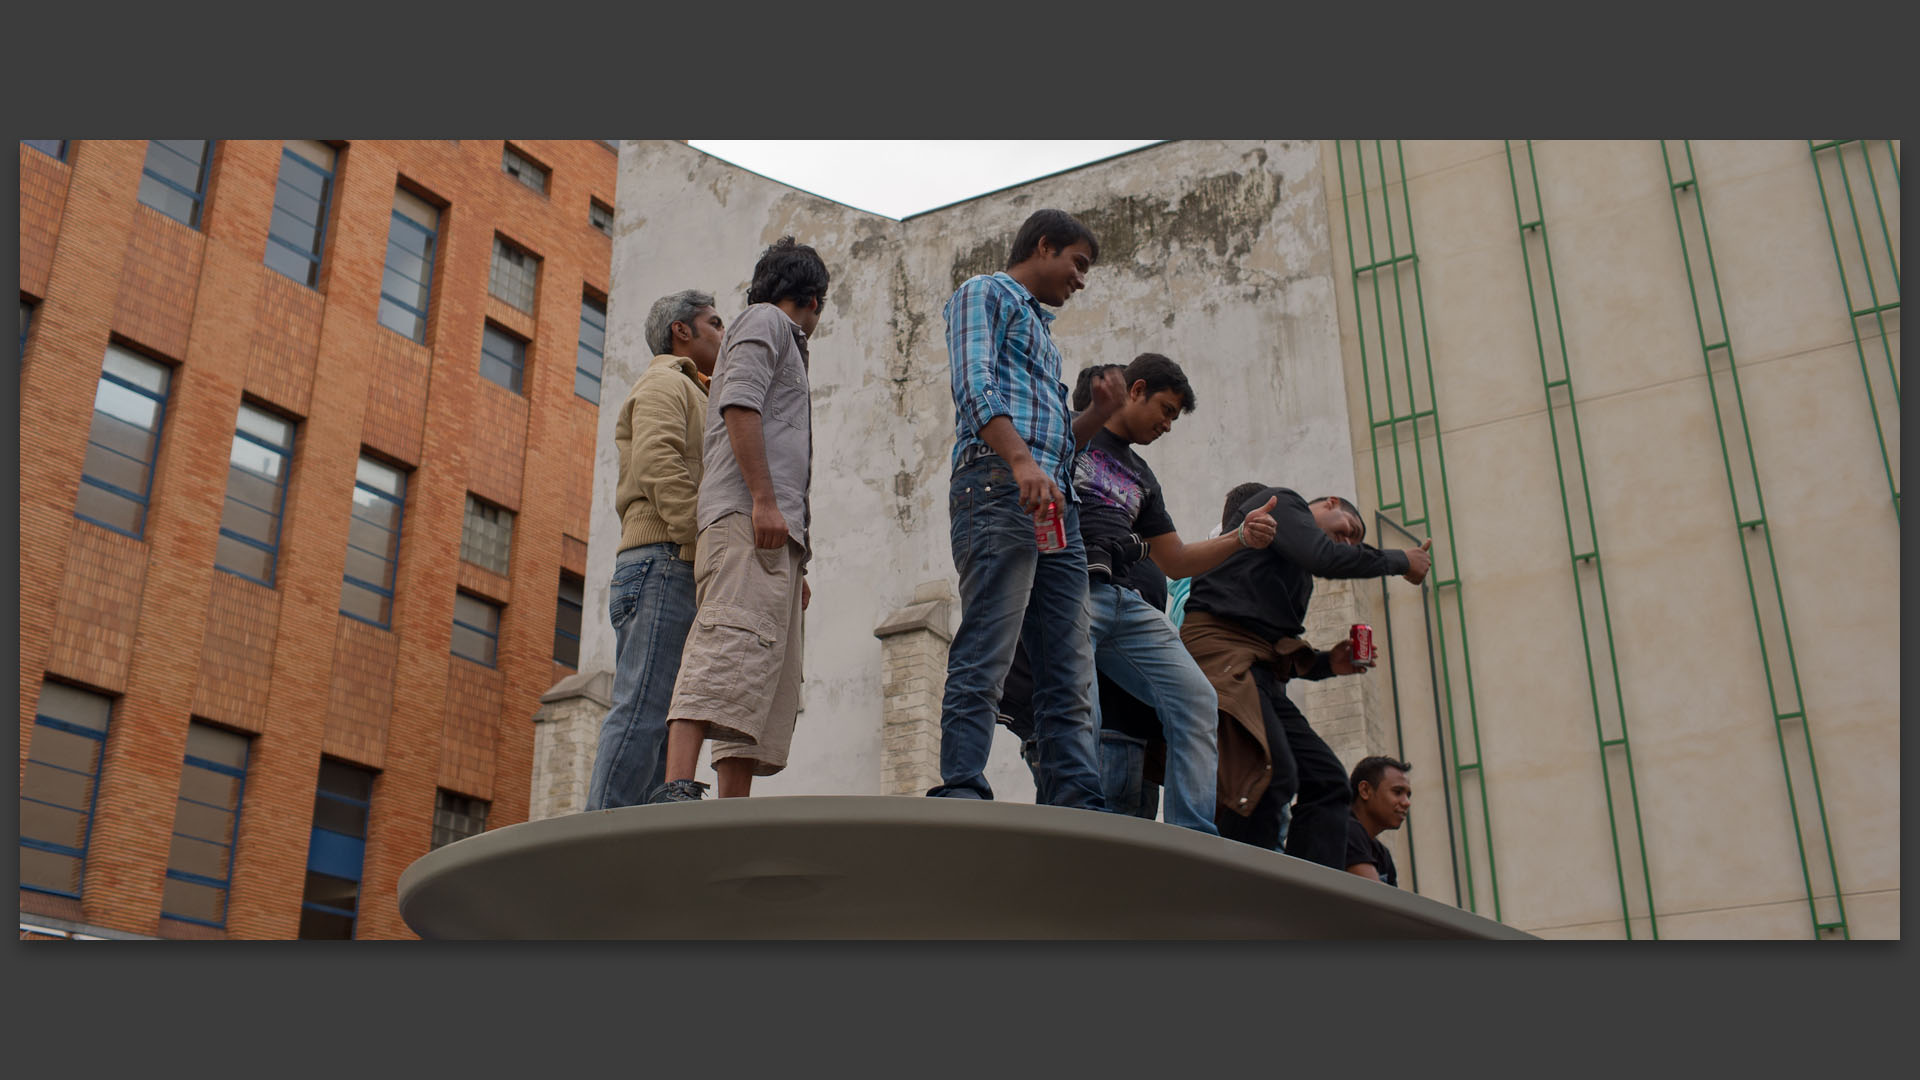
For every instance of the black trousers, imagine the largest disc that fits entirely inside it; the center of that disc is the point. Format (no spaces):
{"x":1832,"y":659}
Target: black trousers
{"x":1303,"y":767}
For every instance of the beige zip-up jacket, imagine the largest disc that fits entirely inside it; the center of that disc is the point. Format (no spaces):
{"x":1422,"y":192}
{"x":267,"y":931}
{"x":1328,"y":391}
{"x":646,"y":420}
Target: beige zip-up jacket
{"x":658,"y":438}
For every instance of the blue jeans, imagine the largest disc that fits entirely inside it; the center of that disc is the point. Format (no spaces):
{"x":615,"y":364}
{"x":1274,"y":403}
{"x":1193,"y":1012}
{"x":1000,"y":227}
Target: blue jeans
{"x":1123,"y":782}
{"x":1136,"y":647}
{"x":651,"y":605}
{"x":1007,"y":589}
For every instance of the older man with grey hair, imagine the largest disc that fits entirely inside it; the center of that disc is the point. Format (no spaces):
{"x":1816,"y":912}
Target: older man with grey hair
{"x":659,"y":436}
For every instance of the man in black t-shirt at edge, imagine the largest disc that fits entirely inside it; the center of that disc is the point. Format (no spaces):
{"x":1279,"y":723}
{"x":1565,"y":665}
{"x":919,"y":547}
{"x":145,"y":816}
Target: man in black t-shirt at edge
{"x":1381,"y":796}
{"x":1243,"y":624}
{"x":1124,"y":521}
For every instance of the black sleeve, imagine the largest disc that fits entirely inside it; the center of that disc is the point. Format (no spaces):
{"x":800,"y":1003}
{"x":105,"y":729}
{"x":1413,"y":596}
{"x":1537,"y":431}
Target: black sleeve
{"x":1358,"y":849}
{"x":1298,"y":539}
{"x":1153,"y":519}
{"x":1320,"y":667}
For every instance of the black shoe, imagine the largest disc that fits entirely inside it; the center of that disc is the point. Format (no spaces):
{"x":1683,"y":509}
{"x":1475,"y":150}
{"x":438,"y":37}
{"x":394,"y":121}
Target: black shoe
{"x":679,"y":791}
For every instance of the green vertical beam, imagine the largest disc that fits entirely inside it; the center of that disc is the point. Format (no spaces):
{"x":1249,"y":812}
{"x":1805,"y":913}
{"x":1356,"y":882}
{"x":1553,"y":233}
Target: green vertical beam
{"x":1754,"y":526}
{"x":1583,"y":551}
{"x":1394,"y":264}
{"x":1876,"y":306}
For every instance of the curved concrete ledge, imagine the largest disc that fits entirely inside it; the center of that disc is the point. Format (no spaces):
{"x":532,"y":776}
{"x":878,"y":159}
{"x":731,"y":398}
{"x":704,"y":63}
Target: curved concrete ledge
{"x":887,"y":867}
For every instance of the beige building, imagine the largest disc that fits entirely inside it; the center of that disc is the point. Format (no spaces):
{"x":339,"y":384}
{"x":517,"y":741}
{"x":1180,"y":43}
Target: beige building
{"x":1498,"y":347}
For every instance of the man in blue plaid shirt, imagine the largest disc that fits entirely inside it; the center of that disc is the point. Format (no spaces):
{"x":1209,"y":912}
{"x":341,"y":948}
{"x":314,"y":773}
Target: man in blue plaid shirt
{"x":1014,"y":443}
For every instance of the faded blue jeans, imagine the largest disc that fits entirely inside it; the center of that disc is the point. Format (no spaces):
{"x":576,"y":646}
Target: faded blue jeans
{"x":1123,"y":775}
{"x":651,"y":605}
{"x":1136,"y":647}
{"x":1007,"y":589}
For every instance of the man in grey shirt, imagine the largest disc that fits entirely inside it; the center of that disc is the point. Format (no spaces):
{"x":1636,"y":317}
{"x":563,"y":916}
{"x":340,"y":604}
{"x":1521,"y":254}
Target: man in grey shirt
{"x":739,"y":682}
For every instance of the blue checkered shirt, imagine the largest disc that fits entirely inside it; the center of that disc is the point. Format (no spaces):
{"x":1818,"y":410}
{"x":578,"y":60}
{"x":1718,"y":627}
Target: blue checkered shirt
{"x":1002,"y":362}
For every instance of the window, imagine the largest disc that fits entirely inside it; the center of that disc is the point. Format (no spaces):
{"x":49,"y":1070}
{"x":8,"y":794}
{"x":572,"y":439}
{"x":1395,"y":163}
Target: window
{"x":174,"y":181}
{"x":373,"y":542}
{"x":408,"y":283}
{"x":26,"y":323}
{"x":523,"y":169}
{"x":249,"y":542}
{"x":456,"y":817}
{"x":503,"y":357}
{"x":205,"y":821}
{"x":514,"y":273}
{"x":566,"y":621}
{"x":54,"y":148}
{"x":593,"y":347}
{"x":299,"y":230}
{"x":487,"y":537}
{"x":58,"y":788}
{"x":128,"y":409}
{"x":600,"y":216}
{"x":476,"y":629}
{"x":336,"y":851}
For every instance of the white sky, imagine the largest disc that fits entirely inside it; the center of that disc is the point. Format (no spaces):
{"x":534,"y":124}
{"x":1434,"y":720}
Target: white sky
{"x":901,"y":177}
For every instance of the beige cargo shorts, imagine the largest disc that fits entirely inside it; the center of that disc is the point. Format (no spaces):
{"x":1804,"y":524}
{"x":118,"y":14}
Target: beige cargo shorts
{"x":740,"y":671}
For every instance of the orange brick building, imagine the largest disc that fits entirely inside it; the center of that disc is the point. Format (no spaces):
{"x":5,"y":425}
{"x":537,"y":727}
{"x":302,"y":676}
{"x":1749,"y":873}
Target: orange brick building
{"x":228,"y":710}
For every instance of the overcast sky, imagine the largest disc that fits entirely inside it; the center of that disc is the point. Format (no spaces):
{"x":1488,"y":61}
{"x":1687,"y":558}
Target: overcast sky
{"x":901,"y":177}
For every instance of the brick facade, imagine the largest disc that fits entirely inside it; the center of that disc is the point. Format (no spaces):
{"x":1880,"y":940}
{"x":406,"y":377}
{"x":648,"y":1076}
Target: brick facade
{"x":153,"y":624}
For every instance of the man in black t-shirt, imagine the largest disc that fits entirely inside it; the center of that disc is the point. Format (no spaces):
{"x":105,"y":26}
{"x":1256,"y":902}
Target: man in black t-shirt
{"x":1124,"y":521}
{"x":1381,"y":796}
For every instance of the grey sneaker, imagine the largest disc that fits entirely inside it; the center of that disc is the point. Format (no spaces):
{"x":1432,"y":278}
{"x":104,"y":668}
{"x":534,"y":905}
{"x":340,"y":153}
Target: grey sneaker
{"x":679,"y":791}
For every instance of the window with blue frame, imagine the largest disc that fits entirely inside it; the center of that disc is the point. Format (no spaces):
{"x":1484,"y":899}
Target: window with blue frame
{"x":53,"y":148}
{"x":503,"y":357}
{"x":336,"y":851}
{"x":566,"y":621}
{"x":128,"y":408}
{"x":26,"y":324}
{"x":407,"y":287}
{"x":476,"y":629}
{"x":591,"y":361}
{"x":249,"y":543}
{"x":373,"y":543}
{"x":298,"y":233}
{"x":174,"y":180}
{"x":59,"y":786}
{"x":206,"y":821}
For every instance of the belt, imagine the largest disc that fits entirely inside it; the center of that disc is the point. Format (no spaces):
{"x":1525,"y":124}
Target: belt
{"x":974,"y":453}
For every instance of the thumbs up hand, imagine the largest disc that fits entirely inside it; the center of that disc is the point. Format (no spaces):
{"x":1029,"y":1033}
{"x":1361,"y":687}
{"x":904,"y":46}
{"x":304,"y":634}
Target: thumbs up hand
{"x":1257,"y":530}
{"x":1419,"y":561}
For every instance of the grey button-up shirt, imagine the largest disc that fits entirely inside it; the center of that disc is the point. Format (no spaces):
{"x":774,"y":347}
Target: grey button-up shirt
{"x":762,"y":366}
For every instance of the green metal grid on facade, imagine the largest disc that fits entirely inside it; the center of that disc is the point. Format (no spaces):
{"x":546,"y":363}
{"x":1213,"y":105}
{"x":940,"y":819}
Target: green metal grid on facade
{"x":1447,"y":593}
{"x":1750,"y":519}
{"x":1583,"y":546}
{"x":1883,"y":298}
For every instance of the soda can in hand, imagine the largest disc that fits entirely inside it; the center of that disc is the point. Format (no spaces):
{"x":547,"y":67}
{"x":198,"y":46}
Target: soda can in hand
{"x":1050,"y":531}
{"x":1361,"y":640}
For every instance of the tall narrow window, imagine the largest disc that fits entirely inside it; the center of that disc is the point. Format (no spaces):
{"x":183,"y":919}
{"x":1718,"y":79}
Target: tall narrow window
{"x":206,"y":819}
{"x":476,"y":629}
{"x":58,"y":787}
{"x":486,"y":537}
{"x":524,"y":169}
{"x":503,"y":357}
{"x":373,"y":542}
{"x":174,"y":180}
{"x":456,"y":817}
{"x":128,"y":408}
{"x":336,"y":851}
{"x":249,"y":542}
{"x":515,"y":270}
{"x":600,"y":216}
{"x":407,"y":286}
{"x":591,"y":359}
{"x":54,"y":148}
{"x":26,"y":324}
{"x":566,"y":621}
{"x":300,"y":201}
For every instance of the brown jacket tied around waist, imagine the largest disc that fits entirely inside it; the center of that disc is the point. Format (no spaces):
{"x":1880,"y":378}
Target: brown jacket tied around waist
{"x":1226,"y":654}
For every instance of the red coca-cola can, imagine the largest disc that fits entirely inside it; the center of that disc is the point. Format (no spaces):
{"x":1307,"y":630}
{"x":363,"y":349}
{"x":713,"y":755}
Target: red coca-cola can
{"x":1050,"y":530}
{"x":1361,"y":639}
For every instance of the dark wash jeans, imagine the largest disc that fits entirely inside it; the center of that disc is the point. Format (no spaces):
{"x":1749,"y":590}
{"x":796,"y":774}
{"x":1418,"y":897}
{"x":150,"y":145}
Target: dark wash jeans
{"x":651,"y":607}
{"x":1303,"y":764}
{"x":1007,"y":589}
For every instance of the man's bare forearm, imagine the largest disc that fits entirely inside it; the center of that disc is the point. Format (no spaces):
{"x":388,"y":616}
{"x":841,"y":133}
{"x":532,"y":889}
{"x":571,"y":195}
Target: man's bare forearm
{"x":999,"y":433}
{"x":749,"y":444}
{"x":1177,"y":560}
